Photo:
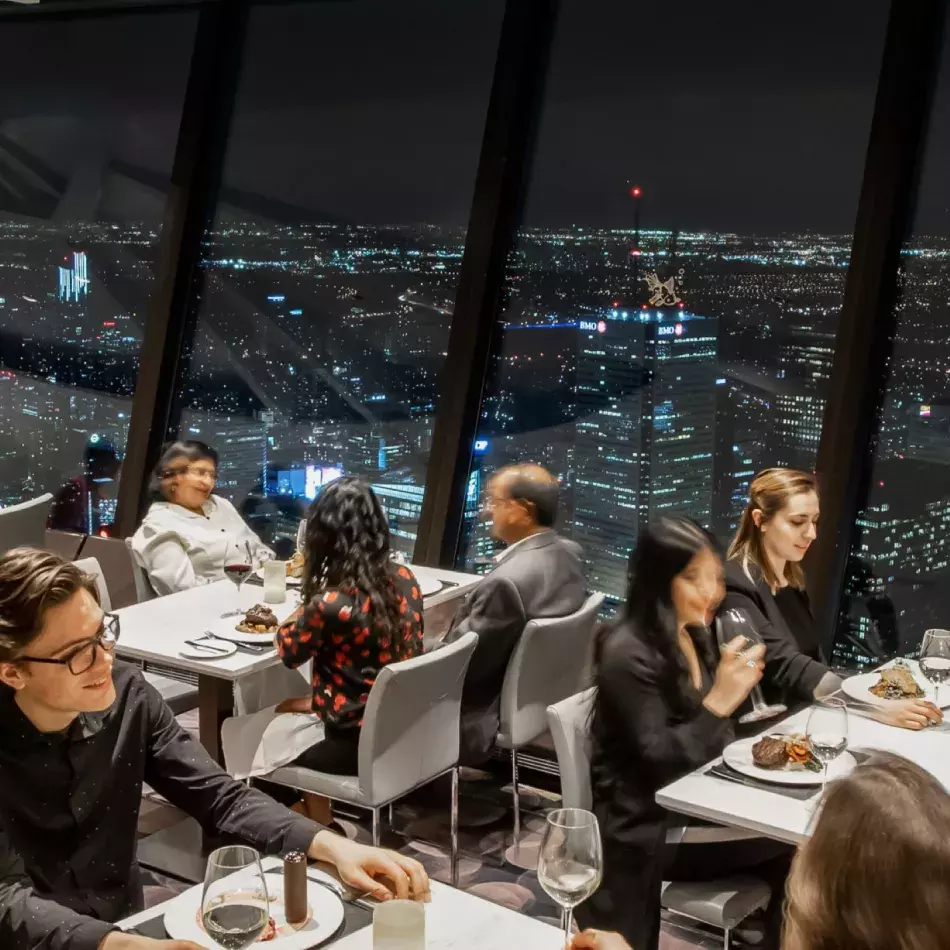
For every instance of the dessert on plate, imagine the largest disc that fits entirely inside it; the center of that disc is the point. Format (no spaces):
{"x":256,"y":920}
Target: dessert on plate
{"x":897,"y":682}
{"x":259,"y":619}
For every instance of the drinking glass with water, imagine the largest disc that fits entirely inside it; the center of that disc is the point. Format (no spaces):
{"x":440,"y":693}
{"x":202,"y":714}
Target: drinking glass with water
{"x":935,"y":659}
{"x":234,"y":903}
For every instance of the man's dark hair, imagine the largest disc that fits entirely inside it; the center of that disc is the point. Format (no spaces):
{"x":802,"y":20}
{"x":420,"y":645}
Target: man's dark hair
{"x":535,"y":486}
{"x":31,"y":582}
{"x":185,"y":451}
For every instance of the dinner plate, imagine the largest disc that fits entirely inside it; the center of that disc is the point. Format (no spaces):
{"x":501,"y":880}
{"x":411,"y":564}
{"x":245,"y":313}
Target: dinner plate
{"x":859,"y":688}
{"x":194,"y":653}
{"x":183,"y":918}
{"x":238,"y":636}
{"x":738,"y":755}
{"x":429,"y":584}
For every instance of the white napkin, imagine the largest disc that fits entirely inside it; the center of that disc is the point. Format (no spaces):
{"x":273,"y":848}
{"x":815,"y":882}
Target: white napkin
{"x":263,"y":741}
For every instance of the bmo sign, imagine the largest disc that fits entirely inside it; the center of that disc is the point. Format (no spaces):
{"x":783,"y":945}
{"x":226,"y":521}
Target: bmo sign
{"x":593,"y":326}
{"x":675,"y":330}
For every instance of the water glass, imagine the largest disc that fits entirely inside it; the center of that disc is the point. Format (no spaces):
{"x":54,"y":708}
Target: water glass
{"x":399,"y":925}
{"x":827,"y":731}
{"x":234,"y":903}
{"x":935,"y":659}
{"x":734,"y":623}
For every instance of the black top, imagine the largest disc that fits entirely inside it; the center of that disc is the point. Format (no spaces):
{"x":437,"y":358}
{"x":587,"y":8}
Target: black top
{"x":794,"y":664}
{"x":643,"y":739}
{"x":69,"y":807}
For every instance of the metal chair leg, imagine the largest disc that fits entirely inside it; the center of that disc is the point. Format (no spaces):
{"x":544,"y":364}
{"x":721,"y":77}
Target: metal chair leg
{"x":376,"y":827}
{"x":455,"y":827}
{"x":516,"y":797}
{"x":726,"y":940}
{"x":390,"y":818}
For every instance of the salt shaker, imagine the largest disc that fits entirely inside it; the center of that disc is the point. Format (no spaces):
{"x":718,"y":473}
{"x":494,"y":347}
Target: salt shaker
{"x":295,"y":887}
{"x":275,"y":582}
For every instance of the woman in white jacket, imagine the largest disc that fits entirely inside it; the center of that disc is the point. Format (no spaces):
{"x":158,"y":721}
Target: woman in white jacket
{"x":187,"y":532}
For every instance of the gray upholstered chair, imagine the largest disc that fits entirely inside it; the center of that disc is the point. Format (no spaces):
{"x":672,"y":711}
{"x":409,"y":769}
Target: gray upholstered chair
{"x":143,"y":587}
{"x":722,"y":904}
{"x":64,"y":543}
{"x":24,"y":525}
{"x":118,"y":566}
{"x":410,"y":737}
{"x":548,"y":665}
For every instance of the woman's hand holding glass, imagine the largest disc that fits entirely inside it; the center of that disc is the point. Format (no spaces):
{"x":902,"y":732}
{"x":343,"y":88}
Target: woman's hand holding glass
{"x":740,"y":668}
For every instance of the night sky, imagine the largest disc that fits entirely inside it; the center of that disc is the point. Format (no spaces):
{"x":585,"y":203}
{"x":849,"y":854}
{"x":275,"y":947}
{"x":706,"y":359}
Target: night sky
{"x":742,"y":116}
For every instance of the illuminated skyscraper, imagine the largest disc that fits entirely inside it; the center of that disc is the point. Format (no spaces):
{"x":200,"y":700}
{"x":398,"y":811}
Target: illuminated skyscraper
{"x":74,"y":281}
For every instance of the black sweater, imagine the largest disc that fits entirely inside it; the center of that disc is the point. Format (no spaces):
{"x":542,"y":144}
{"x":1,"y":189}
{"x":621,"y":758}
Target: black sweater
{"x":644,"y":737}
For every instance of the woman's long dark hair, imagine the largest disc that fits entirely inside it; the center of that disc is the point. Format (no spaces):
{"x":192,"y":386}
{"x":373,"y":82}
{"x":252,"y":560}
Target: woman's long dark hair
{"x":662,"y":552}
{"x":347,"y":546}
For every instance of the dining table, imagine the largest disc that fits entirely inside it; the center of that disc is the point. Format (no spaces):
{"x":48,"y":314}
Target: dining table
{"x":454,"y":920}
{"x":781,"y":812}
{"x":155,"y":633}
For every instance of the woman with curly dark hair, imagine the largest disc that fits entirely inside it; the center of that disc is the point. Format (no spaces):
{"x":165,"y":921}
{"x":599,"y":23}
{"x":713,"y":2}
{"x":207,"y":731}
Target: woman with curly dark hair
{"x":361,"y":611}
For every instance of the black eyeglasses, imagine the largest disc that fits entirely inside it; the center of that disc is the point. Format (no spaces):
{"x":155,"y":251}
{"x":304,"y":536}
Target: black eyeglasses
{"x":83,"y":656}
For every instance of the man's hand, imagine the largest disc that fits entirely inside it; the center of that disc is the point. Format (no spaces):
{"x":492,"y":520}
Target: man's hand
{"x":120,"y":941}
{"x":362,"y":868}
{"x":301,"y":704}
{"x":598,"y":940}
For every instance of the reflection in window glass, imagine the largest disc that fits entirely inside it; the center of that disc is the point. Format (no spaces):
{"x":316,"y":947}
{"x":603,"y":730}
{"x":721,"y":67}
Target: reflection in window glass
{"x":331,"y":269}
{"x":896,"y":587}
{"x":673,"y":298}
{"x":90,"y":113}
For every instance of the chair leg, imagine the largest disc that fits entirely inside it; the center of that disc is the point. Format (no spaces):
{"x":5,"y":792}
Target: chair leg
{"x":726,"y":940}
{"x":455,"y":827}
{"x":389,"y":820}
{"x":515,"y":795}
{"x":376,"y":827}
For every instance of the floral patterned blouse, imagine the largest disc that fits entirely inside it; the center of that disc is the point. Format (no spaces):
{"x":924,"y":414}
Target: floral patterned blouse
{"x":336,"y":628}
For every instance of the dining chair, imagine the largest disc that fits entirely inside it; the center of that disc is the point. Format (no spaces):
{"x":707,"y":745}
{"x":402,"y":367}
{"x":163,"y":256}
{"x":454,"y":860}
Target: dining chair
{"x":24,"y":525}
{"x":410,"y":737}
{"x":548,"y":664}
{"x":722,"y":904}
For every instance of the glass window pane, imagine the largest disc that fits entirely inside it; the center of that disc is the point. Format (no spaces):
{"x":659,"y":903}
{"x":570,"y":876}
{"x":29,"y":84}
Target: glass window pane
{"x":90,"y":113}
{"x":896,"y":587}
{"x":331,"y":269}
{"x":672,"y":300}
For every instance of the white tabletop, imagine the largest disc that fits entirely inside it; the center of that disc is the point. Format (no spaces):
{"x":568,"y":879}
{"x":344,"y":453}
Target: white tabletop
{"x":155,"y":631}
{"x":454,"y":921}
{"x":787,"y":819}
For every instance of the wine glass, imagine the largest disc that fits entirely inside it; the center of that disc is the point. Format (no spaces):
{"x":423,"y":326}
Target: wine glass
{"x":571,"y":860}
{"x":238,"y":565}
{"x":234,"y":903}
{"x":734,"y":623}
{"x":302,"y":536}
{"x":935,"y":659}
{"x":827,"y":730}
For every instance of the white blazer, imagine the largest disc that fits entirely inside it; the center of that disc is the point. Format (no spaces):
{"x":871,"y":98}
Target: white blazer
{"x":180,"y":549}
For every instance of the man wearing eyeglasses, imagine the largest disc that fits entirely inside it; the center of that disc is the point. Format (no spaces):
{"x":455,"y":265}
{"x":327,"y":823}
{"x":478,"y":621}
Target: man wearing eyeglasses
{"x":79,"y":735}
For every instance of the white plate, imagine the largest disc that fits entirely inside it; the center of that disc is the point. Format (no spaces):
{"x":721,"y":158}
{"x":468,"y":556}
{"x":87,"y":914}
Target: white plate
{"x":193,"y":653}
{"x":739,"y":756}
{"x":291,"y":581}
{"x":326,"y":915}
{"x":229,"y":631}
{"x":859,"y":688}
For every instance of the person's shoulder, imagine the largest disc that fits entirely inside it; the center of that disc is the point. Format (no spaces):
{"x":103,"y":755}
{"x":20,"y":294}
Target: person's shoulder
{"x":622,"y":644}
{"x":223,"y":507}
{"x":741,"y":578}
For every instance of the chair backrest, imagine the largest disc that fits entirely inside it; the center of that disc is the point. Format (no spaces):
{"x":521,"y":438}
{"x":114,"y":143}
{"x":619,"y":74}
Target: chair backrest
{"x":89,"y":565}
{"x":548,"y":665}
{"x":24,"y":525}
{"x":143,"y":587}
{"x":569,"y":722}
{"x":410,"y":730}
{"x":117,"y":565}
{"x":64,"y":543}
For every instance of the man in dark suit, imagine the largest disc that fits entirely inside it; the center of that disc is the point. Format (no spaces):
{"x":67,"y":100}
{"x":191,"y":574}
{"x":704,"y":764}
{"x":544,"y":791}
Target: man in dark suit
{"x":539,"y":574}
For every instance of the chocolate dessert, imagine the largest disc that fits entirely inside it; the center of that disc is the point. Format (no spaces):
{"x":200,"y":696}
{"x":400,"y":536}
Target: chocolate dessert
{"x":259,"y":619}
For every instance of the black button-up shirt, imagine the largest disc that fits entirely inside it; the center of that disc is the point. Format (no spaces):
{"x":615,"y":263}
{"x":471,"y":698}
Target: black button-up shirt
{"x":69,"y":806}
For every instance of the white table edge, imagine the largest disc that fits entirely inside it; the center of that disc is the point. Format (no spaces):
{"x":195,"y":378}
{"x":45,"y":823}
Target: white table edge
{"x":201,"y":667}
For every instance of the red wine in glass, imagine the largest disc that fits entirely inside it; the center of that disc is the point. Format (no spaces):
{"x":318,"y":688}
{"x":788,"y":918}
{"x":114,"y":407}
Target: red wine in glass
{"x":238,"y":565}
{"x":238,"y":573}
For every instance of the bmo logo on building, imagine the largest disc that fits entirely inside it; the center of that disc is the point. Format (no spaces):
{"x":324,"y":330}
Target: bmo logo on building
{"x":675,"y":330}
{"x":594,"y":326}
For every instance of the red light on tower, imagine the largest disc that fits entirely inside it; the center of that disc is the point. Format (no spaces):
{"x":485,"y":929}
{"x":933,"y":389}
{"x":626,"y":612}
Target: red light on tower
{"x":636,"y":191}
{"x":681,"y":305}
{"x":636,"y":252}
{"x":616,"y":303}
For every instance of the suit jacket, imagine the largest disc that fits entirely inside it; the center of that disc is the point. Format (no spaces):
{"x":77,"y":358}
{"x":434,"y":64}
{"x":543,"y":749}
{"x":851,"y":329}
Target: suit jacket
{"x":542,"y":577}
{"x":791,"y":674}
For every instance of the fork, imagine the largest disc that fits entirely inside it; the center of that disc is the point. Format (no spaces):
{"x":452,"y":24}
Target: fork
{"x":243,"y":647}
{"x":204,"y":646}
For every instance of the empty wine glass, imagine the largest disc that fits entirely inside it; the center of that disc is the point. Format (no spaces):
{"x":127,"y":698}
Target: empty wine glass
{"x":238,"y":565}
{"x":302,"y":536}
{"x":234,"y":903}
{"x":734,"y":623}
{"x":571,"y":860}
{"x":935,"y":659}
{"x":827,"y":731}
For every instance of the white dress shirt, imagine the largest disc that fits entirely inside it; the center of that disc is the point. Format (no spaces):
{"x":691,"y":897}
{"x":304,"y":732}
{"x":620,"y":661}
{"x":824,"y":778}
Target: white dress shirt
{"x":180,"y":549}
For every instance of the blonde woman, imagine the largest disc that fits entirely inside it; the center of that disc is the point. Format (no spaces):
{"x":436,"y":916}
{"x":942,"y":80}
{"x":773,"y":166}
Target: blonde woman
{"x":764,"y":578}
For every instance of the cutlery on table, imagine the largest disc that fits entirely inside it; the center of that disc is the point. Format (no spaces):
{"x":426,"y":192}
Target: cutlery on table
{"x":242,"y":647}
{"x":344,"y":893}
{"x":204,"y":646}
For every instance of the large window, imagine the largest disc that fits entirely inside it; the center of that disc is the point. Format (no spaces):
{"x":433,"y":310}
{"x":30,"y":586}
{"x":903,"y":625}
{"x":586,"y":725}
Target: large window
{"x":897,"y":583}
{"x":331,"y":269}
{"x":89,"y":115}
{"x":672,"y":300}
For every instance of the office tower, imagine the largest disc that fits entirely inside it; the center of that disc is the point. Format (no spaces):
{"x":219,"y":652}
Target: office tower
{"x":74,"y":280}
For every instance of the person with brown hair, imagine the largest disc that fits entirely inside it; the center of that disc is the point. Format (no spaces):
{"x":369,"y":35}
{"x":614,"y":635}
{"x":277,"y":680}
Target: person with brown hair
{"x":79,"y":736}
{"x":764,"y":578}
{"x":873,"y":875}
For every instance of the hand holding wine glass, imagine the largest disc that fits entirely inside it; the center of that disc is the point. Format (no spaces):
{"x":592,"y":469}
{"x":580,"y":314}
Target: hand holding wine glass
{"x":740,"y":668}
{"x":827,"y":730}
{"x":234,"y":903}
{"x":935,"y":659}
{"x":571,"y":861}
